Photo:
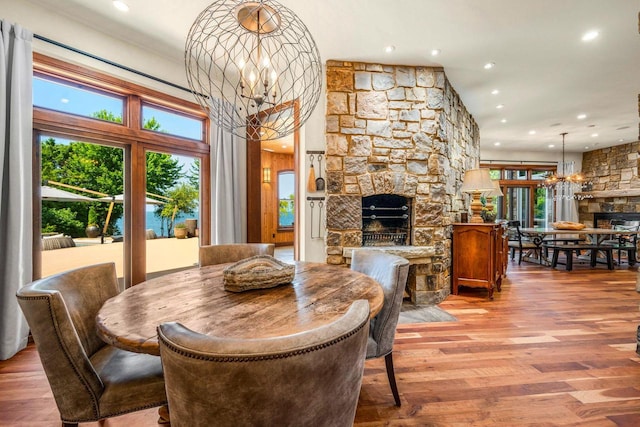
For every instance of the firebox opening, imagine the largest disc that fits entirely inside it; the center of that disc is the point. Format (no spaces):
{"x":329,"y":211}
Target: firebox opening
{"x":386,"y":220}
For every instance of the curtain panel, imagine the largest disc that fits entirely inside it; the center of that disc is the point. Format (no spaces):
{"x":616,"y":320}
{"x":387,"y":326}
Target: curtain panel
{"x":16,"y":210}
{"x":228,"y":187}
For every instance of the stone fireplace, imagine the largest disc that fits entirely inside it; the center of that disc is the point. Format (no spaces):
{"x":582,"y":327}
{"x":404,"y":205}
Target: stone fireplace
{"x":396,"y":133}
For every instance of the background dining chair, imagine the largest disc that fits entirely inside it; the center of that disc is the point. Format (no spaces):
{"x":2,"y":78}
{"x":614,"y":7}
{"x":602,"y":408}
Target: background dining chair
{"x":391,"y":272}
{"x":624,"y":242}
{"x":520,"y":243}
{"x":220,"y":254}
{"x":90,"y":380}
{"x":311,"y":378}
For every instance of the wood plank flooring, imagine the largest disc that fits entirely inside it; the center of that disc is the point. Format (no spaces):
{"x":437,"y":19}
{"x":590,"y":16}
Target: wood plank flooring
{"x":554,"y":348}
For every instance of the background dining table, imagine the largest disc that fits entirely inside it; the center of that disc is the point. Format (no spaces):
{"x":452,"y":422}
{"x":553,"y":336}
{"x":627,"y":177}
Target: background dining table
{"x":318,"y":295}
{"x":594,"y":236}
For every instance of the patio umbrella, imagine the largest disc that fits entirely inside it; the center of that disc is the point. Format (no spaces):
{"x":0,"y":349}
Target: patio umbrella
{"x":120,"y":199}
{"x":57,"y":195}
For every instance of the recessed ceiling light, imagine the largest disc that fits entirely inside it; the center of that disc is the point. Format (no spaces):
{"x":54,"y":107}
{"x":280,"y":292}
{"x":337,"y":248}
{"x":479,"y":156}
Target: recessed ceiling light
{"x":582,"y":116}
{"x":496,"y":143}
{"x":532,"y":132}
{"x":499,"y":106}
{"x":586,"y":148}
{"x":435,"y":52}
{"x":621,"y":140}
{"x":495,"y":92}
{"x":64,"y":100}
{"x":590,"y":35}
{"x":120,"y":5}
{"x":503,"y":121}
{"x":284,"y":146}
{"x":489,"y":65}
{"x":389,"y":48}
{"x":551,"y":145}
{"x":593,"y":135}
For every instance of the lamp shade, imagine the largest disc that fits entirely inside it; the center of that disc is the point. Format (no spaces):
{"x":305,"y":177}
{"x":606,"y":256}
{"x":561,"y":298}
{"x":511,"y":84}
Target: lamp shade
{"x":477,"y":180}
{"x":496,"y":192}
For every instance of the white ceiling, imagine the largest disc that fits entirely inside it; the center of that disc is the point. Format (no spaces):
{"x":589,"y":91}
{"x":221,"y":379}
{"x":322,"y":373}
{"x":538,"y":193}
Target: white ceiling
{"x":545,"y":74}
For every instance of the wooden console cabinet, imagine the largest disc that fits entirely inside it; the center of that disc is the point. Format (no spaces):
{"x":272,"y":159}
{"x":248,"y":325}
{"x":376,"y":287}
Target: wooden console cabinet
{"x":479,"y":256}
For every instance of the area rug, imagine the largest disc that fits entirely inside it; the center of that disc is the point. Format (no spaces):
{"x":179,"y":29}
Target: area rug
{"x":411,"y":313}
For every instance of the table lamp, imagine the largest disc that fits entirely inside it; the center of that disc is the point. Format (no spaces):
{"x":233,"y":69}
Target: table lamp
{"x":489,"y":195}
{"x":476,"y":181}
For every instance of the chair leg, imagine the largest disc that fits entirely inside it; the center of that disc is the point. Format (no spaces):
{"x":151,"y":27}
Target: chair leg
{"x":520,"y":257}
{"x":388,"y":360}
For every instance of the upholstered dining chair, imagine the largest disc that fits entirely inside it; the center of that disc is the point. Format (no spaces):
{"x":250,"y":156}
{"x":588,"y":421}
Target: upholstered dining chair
{"x":391,"y":272}
{"x":90,"y":380}
{"x":220,"y":254}
{"x":310,"y":378}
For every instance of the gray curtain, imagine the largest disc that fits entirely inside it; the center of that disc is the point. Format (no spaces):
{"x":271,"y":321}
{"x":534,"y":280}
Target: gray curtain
{"x":228,"y":187}
{"x":16,"y":210}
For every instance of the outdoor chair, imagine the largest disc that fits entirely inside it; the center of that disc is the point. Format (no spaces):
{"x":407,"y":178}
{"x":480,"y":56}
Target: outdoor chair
{"x":221,"y":254}
{"x":311,"y":378}
{"x":520,"y":243}
{"x":90,"y":380}
{"x":391,"y":272}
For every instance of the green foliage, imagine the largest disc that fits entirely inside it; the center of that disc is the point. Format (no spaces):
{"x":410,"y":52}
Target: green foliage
{"x":193,"y":175}
{"x":61,"y":220}
{"x":184,"y":199}
{"x":107,"y":116}
{"x":180,"y":225}
{"x":92,"y":216}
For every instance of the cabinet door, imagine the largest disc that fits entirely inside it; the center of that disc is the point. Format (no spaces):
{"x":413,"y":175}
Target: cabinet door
{"x":472,"y":246}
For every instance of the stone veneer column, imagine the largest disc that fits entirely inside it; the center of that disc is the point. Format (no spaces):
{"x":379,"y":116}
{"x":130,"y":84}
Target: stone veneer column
{"x":397,"y":130}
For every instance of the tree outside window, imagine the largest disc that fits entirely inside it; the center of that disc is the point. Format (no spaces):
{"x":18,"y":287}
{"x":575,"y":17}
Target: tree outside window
{"x":286,"y":182}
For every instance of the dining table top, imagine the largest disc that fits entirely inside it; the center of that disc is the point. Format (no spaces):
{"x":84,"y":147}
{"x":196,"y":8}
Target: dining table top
{"x":586,"y":230}
{"x":318,"y":295}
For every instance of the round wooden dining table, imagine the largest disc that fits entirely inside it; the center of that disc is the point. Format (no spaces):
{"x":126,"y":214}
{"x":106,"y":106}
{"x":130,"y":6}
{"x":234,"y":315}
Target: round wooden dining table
{"x":319,"y":294}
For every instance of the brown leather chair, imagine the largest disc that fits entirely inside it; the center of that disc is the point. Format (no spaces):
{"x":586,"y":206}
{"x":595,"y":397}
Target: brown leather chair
{"x":306,"y":379}
{"x":391,"y":272}
{"x":221,"y":254}
{"x":90,"y":380}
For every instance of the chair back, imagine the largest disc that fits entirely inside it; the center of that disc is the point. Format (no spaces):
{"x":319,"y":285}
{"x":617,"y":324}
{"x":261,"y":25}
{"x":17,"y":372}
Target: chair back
{"x":221,"y":254}
{"x":61,"y":311}
{"x":627,"y":226}
{"x":307,"y":379}
{"x":391,"y":272}
{"x":513,"y":231}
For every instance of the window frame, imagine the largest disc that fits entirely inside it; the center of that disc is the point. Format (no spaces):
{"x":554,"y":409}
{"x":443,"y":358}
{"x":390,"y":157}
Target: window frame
{"x":128,"y":135}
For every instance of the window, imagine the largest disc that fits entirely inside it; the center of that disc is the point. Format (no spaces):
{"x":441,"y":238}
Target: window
{"x":76,"y":99}
{"x":164,"y":121}
{"x":524,"y":199}
{"x":285,"y":199}
{"x":137,"y":147}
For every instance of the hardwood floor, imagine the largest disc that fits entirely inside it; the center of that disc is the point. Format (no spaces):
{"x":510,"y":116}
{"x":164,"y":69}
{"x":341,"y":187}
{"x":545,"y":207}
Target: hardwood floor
{"x":554,"y":348}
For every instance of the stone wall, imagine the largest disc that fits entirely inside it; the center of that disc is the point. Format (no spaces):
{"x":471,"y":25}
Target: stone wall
{"x":397,"y":130}
{"x":615,"y":185}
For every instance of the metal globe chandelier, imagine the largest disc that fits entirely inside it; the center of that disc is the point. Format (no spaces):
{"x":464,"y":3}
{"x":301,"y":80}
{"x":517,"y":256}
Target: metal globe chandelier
{"x":254,"y":67}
